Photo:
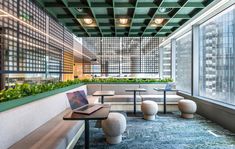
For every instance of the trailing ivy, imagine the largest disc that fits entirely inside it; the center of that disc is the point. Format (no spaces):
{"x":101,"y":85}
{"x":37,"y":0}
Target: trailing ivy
{"x":24,"y":90}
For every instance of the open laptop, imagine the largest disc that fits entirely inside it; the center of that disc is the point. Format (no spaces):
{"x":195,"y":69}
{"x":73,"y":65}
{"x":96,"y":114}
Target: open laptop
{"x":79,"y":103}
{"x":169,"y":86}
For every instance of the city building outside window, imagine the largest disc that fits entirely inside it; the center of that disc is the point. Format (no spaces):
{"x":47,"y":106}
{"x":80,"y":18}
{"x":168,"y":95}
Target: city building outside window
{"x":217,"y":57}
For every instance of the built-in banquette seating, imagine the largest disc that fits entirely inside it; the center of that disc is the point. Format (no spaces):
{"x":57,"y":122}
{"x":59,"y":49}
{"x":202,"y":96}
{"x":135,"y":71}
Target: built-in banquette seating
{"x":123,"y":101}
{"x":40,"y":124}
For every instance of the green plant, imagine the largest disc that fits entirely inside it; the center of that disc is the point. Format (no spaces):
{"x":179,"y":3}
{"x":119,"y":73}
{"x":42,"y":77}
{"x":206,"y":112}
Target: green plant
{"x":31,"y":89}
{"x":125,"y":80}
{"x":26,"y":89}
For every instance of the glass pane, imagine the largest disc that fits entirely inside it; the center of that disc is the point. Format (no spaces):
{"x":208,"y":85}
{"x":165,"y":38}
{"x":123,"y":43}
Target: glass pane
{"x":166,"y":61}
{"x":183,"y":74}
{"x":217,"y":57}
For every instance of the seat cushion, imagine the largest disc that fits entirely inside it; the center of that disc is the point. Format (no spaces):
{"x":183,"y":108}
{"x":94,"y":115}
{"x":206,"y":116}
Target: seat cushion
{"x":121,"y":98}
{"x":159,"y":98}
{"x":55,"y":134}
{"x":92,"y":88}
{"x":120,"y":89}
{"x":93,"y":99}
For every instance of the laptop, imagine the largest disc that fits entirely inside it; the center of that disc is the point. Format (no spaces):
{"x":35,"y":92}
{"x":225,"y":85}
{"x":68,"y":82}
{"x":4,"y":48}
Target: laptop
{"x":169,"y":86}
{"x":79,"y":103}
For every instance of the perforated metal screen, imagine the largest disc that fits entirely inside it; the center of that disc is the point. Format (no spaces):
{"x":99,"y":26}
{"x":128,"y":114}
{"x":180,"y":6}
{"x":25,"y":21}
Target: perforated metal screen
{"x":124,"y":55}
{"x":26,"y":49}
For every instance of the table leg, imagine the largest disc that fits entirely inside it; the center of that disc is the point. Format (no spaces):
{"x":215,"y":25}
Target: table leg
{"x":86,"y":134}
{"x":134,"y":102}
{"x":102,"y":99}
{"x":164,"y":102}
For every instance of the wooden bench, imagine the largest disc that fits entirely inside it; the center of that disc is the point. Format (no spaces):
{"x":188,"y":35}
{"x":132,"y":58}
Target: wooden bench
{"x":54,"y":134}
{"x":40,"y":124}
{"x":123,"y":101}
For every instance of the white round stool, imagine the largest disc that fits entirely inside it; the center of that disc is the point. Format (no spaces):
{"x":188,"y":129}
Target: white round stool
{"x":149,"y":109}
{"x":113,"y":127}
{"x":187,"y":108}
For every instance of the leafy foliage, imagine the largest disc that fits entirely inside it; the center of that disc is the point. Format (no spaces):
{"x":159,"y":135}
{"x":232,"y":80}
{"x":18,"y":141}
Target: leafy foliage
{"x":24,"y":90}
{"x":126,"y":80}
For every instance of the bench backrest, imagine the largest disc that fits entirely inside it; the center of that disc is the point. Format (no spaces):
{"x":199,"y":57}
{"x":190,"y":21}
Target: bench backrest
{"x":18,"y":122}
{"x":151,"y":91}
{"x":120,"y":89}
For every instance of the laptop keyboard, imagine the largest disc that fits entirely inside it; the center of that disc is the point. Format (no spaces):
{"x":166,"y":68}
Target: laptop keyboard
{"x":89,"y":109}
{"x":85,"y":108}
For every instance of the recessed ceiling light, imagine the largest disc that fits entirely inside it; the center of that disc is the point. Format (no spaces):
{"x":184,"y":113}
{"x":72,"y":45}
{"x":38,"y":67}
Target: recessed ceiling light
{"x":88,"y":21}
{"x":158,"y":21}
{"x":164,"y":10}
{"x":123,"y":21}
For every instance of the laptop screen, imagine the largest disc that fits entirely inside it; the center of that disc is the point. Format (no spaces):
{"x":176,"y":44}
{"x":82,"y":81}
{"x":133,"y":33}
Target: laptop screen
{"x":169,"y":86}
{"x":77,"y":99}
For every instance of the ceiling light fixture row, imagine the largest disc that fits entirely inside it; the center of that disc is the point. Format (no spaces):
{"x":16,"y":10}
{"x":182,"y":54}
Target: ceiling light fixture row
{"x":123,"y":21}
{"x":158,"y":21}
{"x":88,"y":21}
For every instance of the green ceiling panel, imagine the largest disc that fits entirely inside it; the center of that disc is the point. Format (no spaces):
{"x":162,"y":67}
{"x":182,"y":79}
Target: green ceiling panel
{"x":142,"y":10}
{"x":141,"y":16}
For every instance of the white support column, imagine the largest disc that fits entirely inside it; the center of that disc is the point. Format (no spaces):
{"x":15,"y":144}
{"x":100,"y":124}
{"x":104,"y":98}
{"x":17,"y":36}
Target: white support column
{"x":195,"y":65}
{"x":173,"y":58}
{"x":161,"y":62}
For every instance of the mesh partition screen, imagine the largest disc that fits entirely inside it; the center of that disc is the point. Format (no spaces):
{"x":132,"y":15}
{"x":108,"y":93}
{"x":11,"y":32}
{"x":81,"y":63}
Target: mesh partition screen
{"x":55,"y":48}
{"x":9,"y":60}
{"x":121,"y":55}
{"x":9,"y":6}
{"x":110,"y":58}
{"x":27,"y":48}
{"x":149,"y":55}
{"x":92,"y":48}
{"x":131,"y":55}
{"x":23,"y":49}
{"x":68,"y":52}
{"x":54,"y":29}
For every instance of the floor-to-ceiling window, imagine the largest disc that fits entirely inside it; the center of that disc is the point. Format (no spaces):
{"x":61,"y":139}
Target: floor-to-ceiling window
{"x":166,"y":61}
{"x":183,"y":74}
{"x":217,"y":57}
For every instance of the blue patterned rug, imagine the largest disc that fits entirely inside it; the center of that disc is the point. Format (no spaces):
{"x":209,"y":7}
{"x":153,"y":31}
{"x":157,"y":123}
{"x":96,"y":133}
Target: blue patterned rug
{"x":168,"y":131}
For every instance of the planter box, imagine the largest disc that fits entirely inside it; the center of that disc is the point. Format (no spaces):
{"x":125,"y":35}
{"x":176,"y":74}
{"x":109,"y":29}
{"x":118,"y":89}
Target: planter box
{"x":21,"y":101}
{"x":23,"y":116}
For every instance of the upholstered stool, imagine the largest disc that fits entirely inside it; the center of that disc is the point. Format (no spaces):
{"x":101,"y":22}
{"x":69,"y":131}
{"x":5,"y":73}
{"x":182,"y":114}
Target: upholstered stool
{"x":149,"y":109}
{"x":187,"y":108}
{"x":113,"y":127}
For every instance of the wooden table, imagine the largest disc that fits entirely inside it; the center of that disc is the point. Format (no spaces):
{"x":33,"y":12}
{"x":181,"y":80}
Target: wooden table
{"x":103,"y":93}
{"x":135,"y":90}
{"x":164,"y":96}
{"x":100,"y":114}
